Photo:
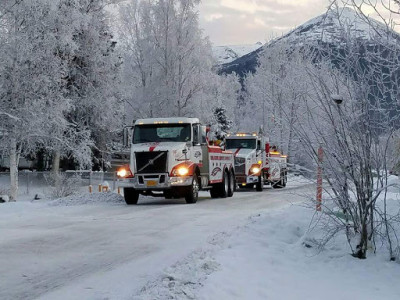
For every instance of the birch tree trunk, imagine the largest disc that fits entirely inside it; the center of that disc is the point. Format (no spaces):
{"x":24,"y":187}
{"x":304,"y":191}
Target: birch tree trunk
{"x":56,"y":167}
{"x":56,"y":162}
{"x":14,"y":161}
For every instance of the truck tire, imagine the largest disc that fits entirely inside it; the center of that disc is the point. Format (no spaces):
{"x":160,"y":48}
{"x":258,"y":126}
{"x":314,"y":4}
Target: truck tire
{"x":224,"y":190}
{"x":232,"y":184}
{"x":168,"y":194}
{"x":214,"y":192}
{"x":279,"y":184}
{"x":284,"y":180}
{"x":193,"y":193}
{"x":276,"y":185}
{"x":131,"y":196}
{"x":260,"y":184}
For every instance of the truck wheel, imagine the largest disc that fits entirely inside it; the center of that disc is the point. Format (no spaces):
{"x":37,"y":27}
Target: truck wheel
{"x":225,"y":186}
{"x":260,"y":184}
{"x":193,"y":193}
{"x":131,"y":196}
{"x":168,"y":194}
{"x":278,"y":184}
{"x":214,"y":192}
{"x":232,"y":184}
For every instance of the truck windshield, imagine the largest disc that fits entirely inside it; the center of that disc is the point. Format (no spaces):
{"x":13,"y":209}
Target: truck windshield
{"x":154,"y":133}
{"x":241,"y":143}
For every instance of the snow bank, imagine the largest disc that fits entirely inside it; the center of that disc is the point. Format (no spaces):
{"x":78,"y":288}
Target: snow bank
{"x":269,"y":260}
{"x":108,"y":198}
{"x":275,"y":256}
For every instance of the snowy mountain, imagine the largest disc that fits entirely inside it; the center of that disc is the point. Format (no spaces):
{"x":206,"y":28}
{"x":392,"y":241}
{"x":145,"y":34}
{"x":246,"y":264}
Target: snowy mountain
{"x":327,"y":28}
{"x":330,"y":27}
{"x":227,"y":54}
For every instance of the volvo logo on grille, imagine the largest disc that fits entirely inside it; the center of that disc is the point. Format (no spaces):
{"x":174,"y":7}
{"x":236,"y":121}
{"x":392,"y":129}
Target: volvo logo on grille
{"x":153,"y":162}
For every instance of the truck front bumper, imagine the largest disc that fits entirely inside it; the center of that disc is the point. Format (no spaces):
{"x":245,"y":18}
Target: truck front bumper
{"x":154,"y":182}
{"x":243,"y":179}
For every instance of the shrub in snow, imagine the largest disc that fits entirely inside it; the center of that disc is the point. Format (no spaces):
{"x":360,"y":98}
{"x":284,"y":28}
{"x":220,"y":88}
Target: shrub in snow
{"x":4,"y":198}
{"x":38,"y":196}
{"x":63,"y":185}
{"x":4,"y":195}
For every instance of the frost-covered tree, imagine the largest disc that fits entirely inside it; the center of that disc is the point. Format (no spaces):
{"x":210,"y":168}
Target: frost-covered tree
{"x":92,"y":79}
{"x":273,"y":97}
{"x":345,"y":101}
{"x":32,"y":105}
{"x":222,"y":93}
{"x":167,"y":61}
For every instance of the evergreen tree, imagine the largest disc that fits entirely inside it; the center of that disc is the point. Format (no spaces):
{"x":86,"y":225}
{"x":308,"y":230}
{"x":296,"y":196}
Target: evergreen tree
{"x":222,"y":123}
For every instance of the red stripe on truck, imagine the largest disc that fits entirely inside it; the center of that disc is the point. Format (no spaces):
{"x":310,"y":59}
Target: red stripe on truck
{"x":237,"y":151}
{"x":153,"y":147}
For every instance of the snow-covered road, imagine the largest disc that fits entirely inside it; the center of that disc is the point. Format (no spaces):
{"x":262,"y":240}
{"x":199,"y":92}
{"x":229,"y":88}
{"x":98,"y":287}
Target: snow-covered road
{"x":110,"y":250}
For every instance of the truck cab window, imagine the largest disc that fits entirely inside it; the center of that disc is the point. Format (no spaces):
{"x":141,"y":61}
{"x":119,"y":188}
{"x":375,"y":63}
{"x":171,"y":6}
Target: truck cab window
{"x":156,"y":133}
{"x":241,"y":144}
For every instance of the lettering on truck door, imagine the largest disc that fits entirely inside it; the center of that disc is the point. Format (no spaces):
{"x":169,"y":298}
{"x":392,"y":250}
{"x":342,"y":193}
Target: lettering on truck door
{"x":275,"y":170}
{"x":218,"y":162}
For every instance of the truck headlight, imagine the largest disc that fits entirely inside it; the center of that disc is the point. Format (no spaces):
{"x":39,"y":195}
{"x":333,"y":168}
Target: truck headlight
{"x":255,"y":170}
{"x":183,"y":171}
{"x":124,"y":172}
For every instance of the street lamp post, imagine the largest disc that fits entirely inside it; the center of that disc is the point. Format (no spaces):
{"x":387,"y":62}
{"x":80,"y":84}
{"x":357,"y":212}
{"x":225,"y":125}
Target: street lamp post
{"x":319,"y":178}
{"x":338,"y":99}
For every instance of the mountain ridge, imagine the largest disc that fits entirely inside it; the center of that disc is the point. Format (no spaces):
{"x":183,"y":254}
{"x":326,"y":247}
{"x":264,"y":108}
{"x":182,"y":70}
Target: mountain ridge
{"x":228,"y":53}
{"x":328,"y":28}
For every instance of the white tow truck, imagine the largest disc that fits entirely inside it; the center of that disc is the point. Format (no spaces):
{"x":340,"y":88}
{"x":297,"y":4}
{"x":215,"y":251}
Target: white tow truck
{"x":173,"y":158}
{"x":255,"y":163}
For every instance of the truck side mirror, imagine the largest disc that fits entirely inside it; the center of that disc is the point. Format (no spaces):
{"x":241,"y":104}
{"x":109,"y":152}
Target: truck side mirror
{"x":203,"y":135}
{"x":196,"y":135}
{"x":127,"y":132}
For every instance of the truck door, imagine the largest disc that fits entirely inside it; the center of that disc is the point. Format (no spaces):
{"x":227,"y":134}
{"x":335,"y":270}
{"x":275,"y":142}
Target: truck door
{"x":204,"y":169}
{"x":196,"y":154}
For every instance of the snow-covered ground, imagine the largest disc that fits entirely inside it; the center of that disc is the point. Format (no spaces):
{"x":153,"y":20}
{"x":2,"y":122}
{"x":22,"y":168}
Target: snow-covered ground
{"x":251,"y":246}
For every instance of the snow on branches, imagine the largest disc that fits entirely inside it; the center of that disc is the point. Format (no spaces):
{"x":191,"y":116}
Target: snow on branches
{"x":343,"y":97}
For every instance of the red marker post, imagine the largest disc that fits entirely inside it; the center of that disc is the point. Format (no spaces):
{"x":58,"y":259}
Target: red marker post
{"x":319,"y":178}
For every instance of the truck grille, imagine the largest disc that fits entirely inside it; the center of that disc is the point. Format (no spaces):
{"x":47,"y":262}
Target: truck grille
{"x":240,"y":165}
{"x":151,"y":162}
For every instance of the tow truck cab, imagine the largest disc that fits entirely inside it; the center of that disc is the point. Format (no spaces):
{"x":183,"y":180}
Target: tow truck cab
{"x":171,"y":157}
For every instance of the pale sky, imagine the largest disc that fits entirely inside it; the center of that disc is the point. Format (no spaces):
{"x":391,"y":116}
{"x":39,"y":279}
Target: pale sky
{"x":236,"y":22}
